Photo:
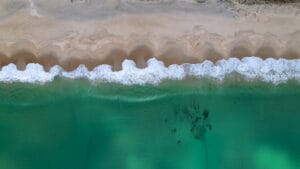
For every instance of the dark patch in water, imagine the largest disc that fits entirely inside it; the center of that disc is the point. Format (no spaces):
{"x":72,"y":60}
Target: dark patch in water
{"x":178,"y":141}
{"x":198,"y":119}
{"x":166,"y":120}
{"x":205,"y":114}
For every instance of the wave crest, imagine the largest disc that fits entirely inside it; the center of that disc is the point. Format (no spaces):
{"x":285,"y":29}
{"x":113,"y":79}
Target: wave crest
{"x":269,"y":70}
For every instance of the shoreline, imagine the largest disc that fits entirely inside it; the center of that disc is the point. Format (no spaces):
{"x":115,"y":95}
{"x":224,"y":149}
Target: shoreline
{"x":270,"y":70}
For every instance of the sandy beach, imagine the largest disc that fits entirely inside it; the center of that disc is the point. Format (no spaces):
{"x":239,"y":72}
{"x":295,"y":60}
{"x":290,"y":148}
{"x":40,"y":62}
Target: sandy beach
{"x":93,"y":32}
{"x":149,"y":84}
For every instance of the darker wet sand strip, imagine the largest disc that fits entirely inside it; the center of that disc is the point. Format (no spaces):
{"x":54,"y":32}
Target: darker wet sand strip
{"x":139,"y":55}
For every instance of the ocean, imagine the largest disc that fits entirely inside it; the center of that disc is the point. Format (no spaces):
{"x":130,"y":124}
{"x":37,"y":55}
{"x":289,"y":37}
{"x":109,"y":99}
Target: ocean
{"x":176,"y":124}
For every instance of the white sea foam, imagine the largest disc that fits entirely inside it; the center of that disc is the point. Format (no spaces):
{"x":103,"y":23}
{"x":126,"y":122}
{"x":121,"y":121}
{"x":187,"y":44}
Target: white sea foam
{"x":269,"y":70}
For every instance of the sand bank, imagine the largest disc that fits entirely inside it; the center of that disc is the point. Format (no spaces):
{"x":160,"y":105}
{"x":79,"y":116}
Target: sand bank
{"x":94,"y":32}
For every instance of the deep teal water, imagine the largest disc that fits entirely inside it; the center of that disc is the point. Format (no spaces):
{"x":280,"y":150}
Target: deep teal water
{"x":191,"y":124}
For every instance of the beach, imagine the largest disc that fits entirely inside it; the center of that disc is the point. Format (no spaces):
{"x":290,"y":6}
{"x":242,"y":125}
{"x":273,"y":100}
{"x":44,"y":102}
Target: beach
{"x":90,"y":32}
{"x":149,"y":84}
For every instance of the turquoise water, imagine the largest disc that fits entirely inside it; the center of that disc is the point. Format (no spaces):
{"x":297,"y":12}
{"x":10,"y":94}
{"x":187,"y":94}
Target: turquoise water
{"x":191,"y":124}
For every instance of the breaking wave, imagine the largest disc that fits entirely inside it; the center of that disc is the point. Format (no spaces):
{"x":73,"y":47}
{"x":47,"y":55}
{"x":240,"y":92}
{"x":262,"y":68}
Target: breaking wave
{"x":268,"y":70}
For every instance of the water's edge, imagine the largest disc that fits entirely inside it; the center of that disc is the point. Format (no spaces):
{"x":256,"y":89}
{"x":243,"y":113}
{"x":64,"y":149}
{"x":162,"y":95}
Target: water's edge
{"x":269,"y":70}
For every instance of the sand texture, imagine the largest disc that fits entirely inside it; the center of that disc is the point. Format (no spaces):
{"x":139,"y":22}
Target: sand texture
{"x":92,"y":32}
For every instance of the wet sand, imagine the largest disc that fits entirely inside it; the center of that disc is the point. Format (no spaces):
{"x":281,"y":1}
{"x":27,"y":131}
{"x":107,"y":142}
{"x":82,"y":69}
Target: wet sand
{"x":69,"y":33}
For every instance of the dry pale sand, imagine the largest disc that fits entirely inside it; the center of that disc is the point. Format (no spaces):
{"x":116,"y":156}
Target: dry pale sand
{"x":70,"y":32}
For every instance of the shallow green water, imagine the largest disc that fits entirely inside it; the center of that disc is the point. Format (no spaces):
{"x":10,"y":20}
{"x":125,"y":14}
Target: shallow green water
{"x":188,"y":124}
